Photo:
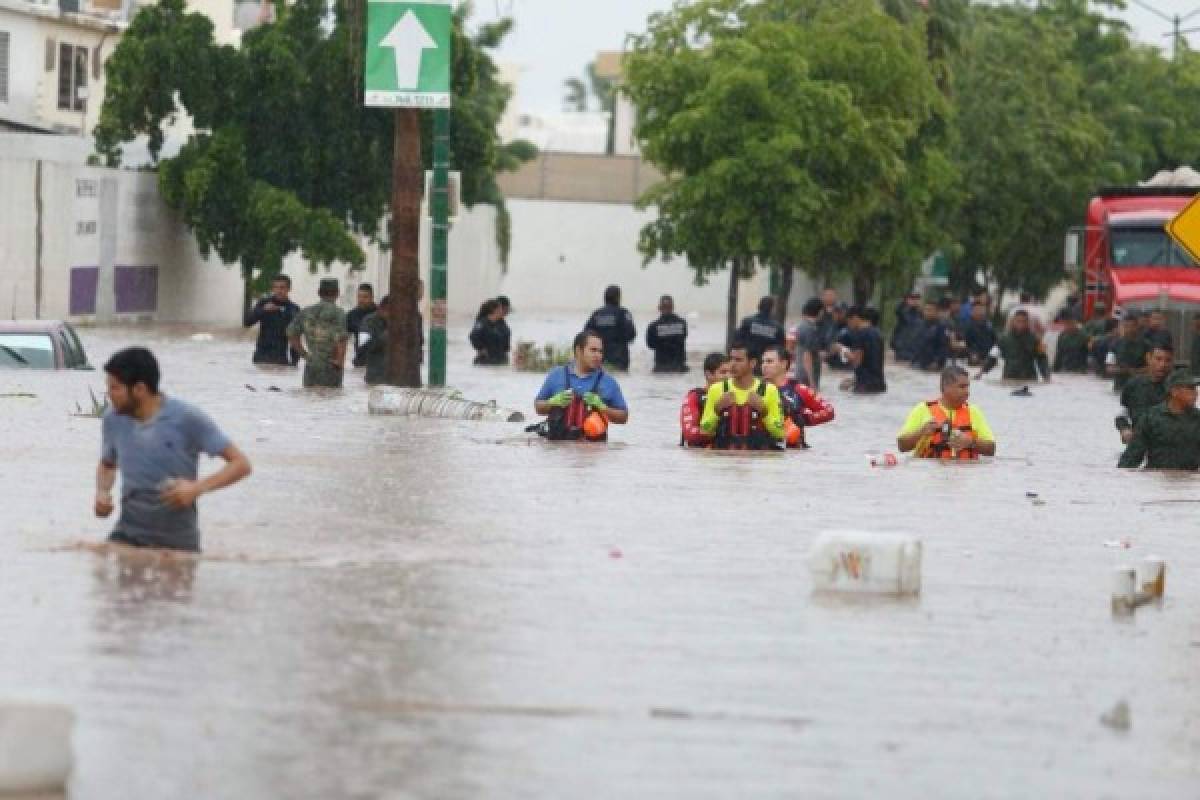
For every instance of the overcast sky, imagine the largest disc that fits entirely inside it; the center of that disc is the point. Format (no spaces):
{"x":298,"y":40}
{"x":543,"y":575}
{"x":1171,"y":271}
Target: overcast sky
{"x":555,"y":39}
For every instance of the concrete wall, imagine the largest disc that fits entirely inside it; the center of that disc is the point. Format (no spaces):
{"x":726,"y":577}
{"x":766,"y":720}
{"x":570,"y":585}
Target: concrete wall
{"x":564,"y":254}
{"x":98,"y":226}
{"x":25,"y":55}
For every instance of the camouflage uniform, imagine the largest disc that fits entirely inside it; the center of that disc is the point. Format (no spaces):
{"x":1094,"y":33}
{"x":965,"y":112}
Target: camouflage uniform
{"x":1165,"y":440}
{"x":323,"y":327}
{"x":1023,"y":357}
{"x":1071,"y":352}
{"x":1131,"y":355}
{"x":1141,"y":394}
{"x":375,"y":348}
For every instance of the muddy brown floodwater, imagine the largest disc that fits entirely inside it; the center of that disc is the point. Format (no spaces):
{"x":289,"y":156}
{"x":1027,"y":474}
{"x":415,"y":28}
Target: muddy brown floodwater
{"x":443,"y":609}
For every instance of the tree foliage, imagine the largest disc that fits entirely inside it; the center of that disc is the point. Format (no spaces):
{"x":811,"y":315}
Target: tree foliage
{"x":284,"y":156}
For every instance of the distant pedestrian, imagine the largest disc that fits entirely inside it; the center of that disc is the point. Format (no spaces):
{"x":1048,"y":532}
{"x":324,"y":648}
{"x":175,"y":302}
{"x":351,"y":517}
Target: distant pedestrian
{"x":319,"y":334}
{"x":614,"y":324}
{"x":909,"y":324}
{"x":1157,"y":333}
{"x":155,"y":441}
{"x":1071,"y":349}
{"x":1022,"y":351}
{"x":933,"y":347}
{"x":374,"y":350}
{"x":864,"y":352}
{"x":667,"y":337}
{"x":273,"y":314}
{"x":805,"y":340}
{"x":760,"y":331}
{"x":1127,"y":354}
{"x":489,"y":339}
{"x":979,"y":336}
{"x":363,"y":308}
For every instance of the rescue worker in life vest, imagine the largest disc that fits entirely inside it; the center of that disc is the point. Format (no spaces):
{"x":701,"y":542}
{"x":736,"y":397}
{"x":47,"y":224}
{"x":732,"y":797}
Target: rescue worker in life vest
{"x":580,"y":399}
{"x":716,"y":370}
{"x":949,"y":427}
{"x":743,"y":412}
{"x":802,"y":407}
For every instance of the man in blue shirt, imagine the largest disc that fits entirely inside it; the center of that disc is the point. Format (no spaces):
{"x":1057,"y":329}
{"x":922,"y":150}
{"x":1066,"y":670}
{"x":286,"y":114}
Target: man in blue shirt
{"x":155,"y":441}
{"x":581,"y":387}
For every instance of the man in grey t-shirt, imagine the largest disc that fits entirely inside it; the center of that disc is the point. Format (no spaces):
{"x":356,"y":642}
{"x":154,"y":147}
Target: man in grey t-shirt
{"x":156,"y":441}
{"x":806,"y":340}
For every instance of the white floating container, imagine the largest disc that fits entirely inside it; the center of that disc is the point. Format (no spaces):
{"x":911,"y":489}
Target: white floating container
{"x":1124,"y":590}
{"x":35,"y":747}
{"x":866,"y":563}
{"x":438,"y":403}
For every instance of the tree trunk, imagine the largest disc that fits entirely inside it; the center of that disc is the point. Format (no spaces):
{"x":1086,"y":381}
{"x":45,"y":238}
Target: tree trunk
{"x":404,"y":326}
{"x":864,"y":287}
{"x":731,"y":308}
{"x":787,"y":276}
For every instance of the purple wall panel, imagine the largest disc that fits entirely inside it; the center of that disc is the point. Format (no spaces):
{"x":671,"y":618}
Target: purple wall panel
{"x":83,"y":290}
{"x":136,"y":289}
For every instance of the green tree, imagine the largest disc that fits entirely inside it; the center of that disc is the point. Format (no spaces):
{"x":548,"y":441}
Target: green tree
{"x":285,"y":157}
{"x":780,"y":126}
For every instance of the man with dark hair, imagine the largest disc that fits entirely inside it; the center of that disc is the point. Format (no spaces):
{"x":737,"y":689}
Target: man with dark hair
{"x":319,"y":334}
{"x":949,"y":427}
{"x":804,"y":339}
{"x":1145,"y":391}
{"x":1071,"y":349}
{"x":761,"y":330}
{"x":667,"y":337}
{"x":1127,"y":356}
{"x":1022,"y":351}
{"x":574,"y":392}
{"x":273,"y":314}
{"x":155,"y":441}
{"x":743,"y":412}
{"x":803,"y":408}
{"x":1168,"y":436}
{"x":1156,"y":330}
{"x":933,"y":346}
{"x":614,"y":324}
{"x":863,"y":352}
{"x":490,"y":336}
{"x":373,"y":353}
{"x":909,"y":324}
{"x":716,"y":370}
{"x":979,"y":336}
{"x":363,"y":308}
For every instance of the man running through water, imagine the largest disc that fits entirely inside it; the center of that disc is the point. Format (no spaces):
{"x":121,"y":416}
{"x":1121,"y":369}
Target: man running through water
{"x":743,"y":412}
{"x":155,"y":441}
{"x":802,"y":407}
{"x":716,"y":370}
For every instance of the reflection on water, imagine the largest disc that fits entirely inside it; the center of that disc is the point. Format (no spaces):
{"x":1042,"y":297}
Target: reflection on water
{"x":432,"y":608}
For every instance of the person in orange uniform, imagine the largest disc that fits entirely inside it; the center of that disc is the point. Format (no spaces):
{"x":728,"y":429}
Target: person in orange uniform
{"x":716,"y":370}
{"x":949,"y":427}
{"x":802,"y":407}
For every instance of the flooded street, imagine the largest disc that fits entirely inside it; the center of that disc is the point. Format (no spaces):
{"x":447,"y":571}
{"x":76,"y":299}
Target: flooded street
{"x":441,"y":609}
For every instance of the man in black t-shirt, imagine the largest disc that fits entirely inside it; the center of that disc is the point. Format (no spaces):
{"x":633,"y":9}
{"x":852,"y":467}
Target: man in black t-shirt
{"x":864,"y":352}
{"x":272,"y":315}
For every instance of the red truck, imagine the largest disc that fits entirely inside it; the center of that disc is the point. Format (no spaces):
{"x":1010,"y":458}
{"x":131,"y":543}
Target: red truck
{"x":1129,"y":262}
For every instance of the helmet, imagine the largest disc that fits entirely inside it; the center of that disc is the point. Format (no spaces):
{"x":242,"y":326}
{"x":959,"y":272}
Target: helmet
{"x":595,"y":426}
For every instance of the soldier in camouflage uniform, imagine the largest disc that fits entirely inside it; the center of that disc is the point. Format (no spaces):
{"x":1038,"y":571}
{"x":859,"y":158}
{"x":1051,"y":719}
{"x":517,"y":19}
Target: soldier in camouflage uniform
{"x":1168,"y":436}
{"x":374,"y":350}
{"x":1144,"y":392}
{"x":1127,"y":356}
{"x":319,"y":334}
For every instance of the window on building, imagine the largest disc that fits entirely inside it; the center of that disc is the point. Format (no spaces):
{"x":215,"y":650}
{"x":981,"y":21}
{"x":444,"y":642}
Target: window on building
{"x":4,"y":71}
{"x":72,"y":77}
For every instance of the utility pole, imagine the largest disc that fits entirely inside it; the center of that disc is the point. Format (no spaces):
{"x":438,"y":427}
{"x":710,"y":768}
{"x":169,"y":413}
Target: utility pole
{"x":404,"y":326}
{"x":1176,"y":21}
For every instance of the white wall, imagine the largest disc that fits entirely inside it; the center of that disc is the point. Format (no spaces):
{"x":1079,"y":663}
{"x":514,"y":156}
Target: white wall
{"x":26,"y":53}
{"x":565,"y":254}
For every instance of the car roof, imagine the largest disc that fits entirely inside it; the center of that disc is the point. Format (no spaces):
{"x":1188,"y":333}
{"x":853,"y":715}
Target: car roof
{"x":31,"y":326}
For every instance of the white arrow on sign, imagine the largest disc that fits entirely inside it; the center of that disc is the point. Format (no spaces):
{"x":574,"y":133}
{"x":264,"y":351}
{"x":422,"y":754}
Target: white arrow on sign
{"x":408,"y":40}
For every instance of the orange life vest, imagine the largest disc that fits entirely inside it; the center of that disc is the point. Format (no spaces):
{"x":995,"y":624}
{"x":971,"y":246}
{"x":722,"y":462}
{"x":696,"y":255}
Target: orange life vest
{"x":939,"y":443}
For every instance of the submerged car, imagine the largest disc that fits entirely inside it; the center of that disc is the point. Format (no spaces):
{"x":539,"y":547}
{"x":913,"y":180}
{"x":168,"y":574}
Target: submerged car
{"x":41,"y":344}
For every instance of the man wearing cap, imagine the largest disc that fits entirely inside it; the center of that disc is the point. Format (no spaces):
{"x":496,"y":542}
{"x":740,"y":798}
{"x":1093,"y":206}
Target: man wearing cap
{"x":319,"y":334}
{"x":667,"y":337}
{"x":1168,"y":436}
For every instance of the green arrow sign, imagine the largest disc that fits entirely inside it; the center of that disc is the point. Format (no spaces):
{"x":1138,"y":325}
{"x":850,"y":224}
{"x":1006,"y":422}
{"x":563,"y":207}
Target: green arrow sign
{"x":408,"y":54}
